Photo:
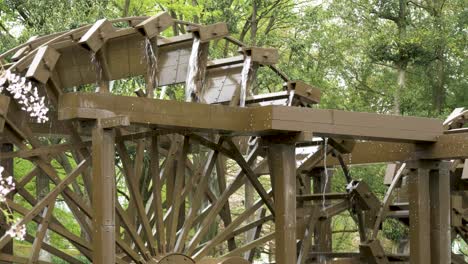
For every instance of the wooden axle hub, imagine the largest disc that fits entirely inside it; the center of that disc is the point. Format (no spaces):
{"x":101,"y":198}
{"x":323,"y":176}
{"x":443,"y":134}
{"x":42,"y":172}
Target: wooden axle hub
{"x":176,"y":258}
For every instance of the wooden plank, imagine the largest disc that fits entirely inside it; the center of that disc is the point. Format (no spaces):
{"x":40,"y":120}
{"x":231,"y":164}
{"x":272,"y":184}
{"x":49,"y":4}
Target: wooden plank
{"x":104,"y":195}
{"x":264,"y":56}
{"x":54,"y":251}
{"x":446,"y":147}
{"x":41,"y":232}
{"x":176,"y":197}
{"x":420,"y":216}
{"x":283,"y":173}
{"x":224,"y":234}
{"x":131,"y":229}
{"x":219,"y":204}
{"x":252,"y":245}
{"x":251,"y":176}
{"x":151,"y":27}
{"x":211,"y":32}
{"x":46,"y":150}
{"x":43,"y":64}
{"x":49,"y":197}
{"x":307,"y":94}
{"x":97,"y":35}
{"x":156,"y":187}
{"x":252,"y":120}
{"x":129,"y":174}
{"x":202,"y":185}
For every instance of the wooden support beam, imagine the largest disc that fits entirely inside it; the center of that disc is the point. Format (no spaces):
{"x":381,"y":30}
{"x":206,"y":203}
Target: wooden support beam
{"x":263,"y":56}
{"x":8,"y":165}
{"x":440,"y":196}
{"x":305,"y":93}
{"x":210,"y":32}
{"x":43,"y":64}
{"x":446,"y":147}
{"x":252,"y":120}
{"x":420,"y":216}
{"x":283,"y":171}
{"x":152,"y":26}
{"x":323,"y":229}
{"x":41,"y":233}
{"x":103,"y":152}
{"x":4,"y":105}
{"x":97,"y":35}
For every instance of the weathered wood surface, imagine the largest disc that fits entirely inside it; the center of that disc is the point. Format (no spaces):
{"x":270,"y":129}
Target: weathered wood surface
{"x":252,"y":120}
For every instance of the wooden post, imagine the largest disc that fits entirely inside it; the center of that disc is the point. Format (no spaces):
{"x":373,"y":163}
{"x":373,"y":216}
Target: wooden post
{"x":8,"y":165}
{"x":282,"y":164}
{"x":440,"y":214}
{"x":42,"y":189}
{"x":418,"y":191}
{"x":323,"y":230}
{"x":103,"y":152}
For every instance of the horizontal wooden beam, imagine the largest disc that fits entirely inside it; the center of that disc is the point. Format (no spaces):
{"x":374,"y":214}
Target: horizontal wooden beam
{"x":446,"y":147}
{"x":264,"y":120}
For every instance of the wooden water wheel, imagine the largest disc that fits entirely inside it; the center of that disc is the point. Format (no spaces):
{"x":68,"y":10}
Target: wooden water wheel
{"x":149,"y":180}
{"x":173,"y":204}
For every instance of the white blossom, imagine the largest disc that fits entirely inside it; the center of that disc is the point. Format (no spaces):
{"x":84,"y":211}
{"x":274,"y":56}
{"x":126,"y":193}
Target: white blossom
{"x":26,"y":95}
{"x":6,"y":185}
{"x":17,"y":231}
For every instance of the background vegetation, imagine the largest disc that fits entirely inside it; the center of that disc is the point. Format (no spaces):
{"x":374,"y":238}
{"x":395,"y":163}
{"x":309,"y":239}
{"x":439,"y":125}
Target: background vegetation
{"x":387,"y":56}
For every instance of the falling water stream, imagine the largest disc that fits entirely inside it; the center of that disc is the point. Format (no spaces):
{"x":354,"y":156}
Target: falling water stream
{"x":97,"y":68}
{"x":190,"y":87}
{"x":291,"y":97}
{"x":244,"y":80}
{"x":324,"y":190}
{"x":152,"y":63}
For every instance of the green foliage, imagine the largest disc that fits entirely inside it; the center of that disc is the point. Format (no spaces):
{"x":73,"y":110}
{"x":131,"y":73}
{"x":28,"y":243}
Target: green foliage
{"x":352,"y":50}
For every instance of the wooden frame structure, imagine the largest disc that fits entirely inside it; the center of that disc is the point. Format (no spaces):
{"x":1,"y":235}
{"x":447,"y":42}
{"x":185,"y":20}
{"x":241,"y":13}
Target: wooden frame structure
{"x":170,"y":157}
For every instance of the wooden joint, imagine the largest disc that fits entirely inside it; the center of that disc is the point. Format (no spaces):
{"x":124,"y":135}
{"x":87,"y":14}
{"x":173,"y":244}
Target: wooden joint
{"x":20,"y":53}
{"x":43,"y":64}
{"x":4,"y":104}
{"x":283,"y":138}
{"x":152,"y":26}
{"x":372,"y":252}
{"x":210,"y":32}
{"x":361,"y":193}
{"x":344,"y":146}
{"x":305,"y":93}
{"x":97,"y":35}
{"x":111,"y":122}
{"x":263,"y":56}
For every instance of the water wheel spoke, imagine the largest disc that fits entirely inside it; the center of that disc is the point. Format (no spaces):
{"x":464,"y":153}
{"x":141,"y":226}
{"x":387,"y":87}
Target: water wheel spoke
{"x":251,"y":245}
{"x":174,"y":209}
{"x":219,"y":204}
{"x":251,"y":176}
{"x":196,"y":203}
{"x":127,"y":249}
{"x":41,"y":232}
{"x":131,"y":230}
{"x":156,"y":188}
{"x":224,"y":234}
{"x":54,"y":251}
{"x":135,"y":195}
{"x":46,"y":201}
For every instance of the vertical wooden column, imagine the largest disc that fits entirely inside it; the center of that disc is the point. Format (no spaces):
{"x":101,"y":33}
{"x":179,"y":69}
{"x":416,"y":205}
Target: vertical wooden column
{"x":8,"y":165}
{"x":418,"y":191}
{"x":103,"y":152}
{"x":440,"y":214}
{"x":282,"y":164}
{"x":323,"y":229}
{"x":42,"y":189}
